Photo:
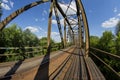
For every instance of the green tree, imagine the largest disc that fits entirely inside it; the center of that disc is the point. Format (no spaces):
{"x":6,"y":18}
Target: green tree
{"x":43,"y":41}
{"x":11,"y":36}
{"x":118,"y":44}
{"x":29,"y":38}
{"x":107,"y":42}
{"x":117,"y":30}
{"x":94,"y":41}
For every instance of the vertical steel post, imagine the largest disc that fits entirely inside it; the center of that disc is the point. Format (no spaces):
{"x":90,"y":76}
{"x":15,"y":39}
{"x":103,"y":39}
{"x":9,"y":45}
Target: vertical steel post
{"x":73,"y":36}
{"x":64,"y":33}
{"x":69,"y":35}
{"x":85,"y":26}
{"x":49,"y":24}
{"x":79,"y":26}
{"x":0,"y":10}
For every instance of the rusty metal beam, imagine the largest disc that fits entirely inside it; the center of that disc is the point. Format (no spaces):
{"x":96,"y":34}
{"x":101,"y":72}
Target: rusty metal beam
{"x":69,"y":7}
{"x":72,"y":20}
{"x":65,"y":33}
{"x":69,"y":34}
{"x":74,"y":26}
{"x":85,"y":26}
{"x":70,"y":15}
{"x":79,"y":26}
{"x":73,"y":23}
{"x":63,"y":14}
{"x":18,"y":12}
{"x":49,"y":25}
{"x":65,"y":17}
{"x":59,"y":25}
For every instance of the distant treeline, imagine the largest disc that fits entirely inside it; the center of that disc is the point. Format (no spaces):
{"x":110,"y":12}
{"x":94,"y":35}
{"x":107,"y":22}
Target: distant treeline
{"x":14,"y":36}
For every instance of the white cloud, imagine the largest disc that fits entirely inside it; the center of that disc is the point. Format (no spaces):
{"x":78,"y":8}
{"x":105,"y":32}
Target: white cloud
{"x":41,"y":29}
{"x":42,"y":19}
{"x":5,"y":1}
{"x":11,"y":4}
{"x":115,"y":10}
{"x":55,"y":36}
{"x":62,"y":1}
{"x":54,"y":21}
{"x":72,"y":21}
{"x":45,"y":12}
{"x":118,"y":14}
{"x":5,"y":6}
{"x":54,"y":33}
{"x":90,"y":11}
{"x":32,"y":29}
{"x":71,"y":10}
{"x":40,"y":37}
{"x":112,"y":22}
{"x":36,"y":20}
{"x":61,"y":21}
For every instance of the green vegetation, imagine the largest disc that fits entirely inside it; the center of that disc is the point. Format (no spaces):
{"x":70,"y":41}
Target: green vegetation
{"x":13,"y":36}
{"x":110,"y":43}
{"x":94,"y":41}
{"x":26,"y":44}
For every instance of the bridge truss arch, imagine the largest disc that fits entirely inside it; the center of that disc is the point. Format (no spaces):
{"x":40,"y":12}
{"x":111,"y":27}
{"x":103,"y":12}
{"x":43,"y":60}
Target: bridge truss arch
{"x":75,"y":25}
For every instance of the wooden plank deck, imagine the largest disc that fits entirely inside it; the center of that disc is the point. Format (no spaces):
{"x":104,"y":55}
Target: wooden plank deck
{"x":70,"y":64}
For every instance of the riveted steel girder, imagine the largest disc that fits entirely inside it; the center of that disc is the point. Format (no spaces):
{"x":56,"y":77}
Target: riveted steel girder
{"x":81,"y":8}
{"x":18,"y":12}
{"x":49,"y":24}
{"x":79,"y":26}
{"x":65,"y":33}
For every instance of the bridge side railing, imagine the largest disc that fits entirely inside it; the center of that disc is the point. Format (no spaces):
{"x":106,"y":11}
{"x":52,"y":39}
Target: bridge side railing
{"x":96,"y":53}
{"x":20,"y":53}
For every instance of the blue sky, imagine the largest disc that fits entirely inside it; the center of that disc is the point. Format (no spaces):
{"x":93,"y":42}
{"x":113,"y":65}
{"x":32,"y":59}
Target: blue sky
{"x":101,"y":14}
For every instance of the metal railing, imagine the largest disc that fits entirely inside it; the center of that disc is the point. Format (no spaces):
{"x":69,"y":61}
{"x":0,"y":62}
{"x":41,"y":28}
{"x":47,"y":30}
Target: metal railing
{"x":96,"y":52}
{"x":20,"y":53}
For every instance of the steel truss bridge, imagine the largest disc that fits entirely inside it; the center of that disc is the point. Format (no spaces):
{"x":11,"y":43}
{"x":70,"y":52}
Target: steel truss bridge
{"x":76,"y":62}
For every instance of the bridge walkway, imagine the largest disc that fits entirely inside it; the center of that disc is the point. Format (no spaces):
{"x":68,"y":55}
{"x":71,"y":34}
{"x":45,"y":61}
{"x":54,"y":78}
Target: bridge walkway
{"x":66,"y":64}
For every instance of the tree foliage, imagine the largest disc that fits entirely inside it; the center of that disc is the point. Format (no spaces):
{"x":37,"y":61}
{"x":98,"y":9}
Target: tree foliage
{"x":117,"y":38}
{"x":107,"y":42}
{"x":117,"y":30}
{"x":43,"y":41}
{"x":94,"y":41}
{"x":118,"y":44}
{"x":29,"y":38}
{"x":13,"y":36}
{"x":10,"y":36}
